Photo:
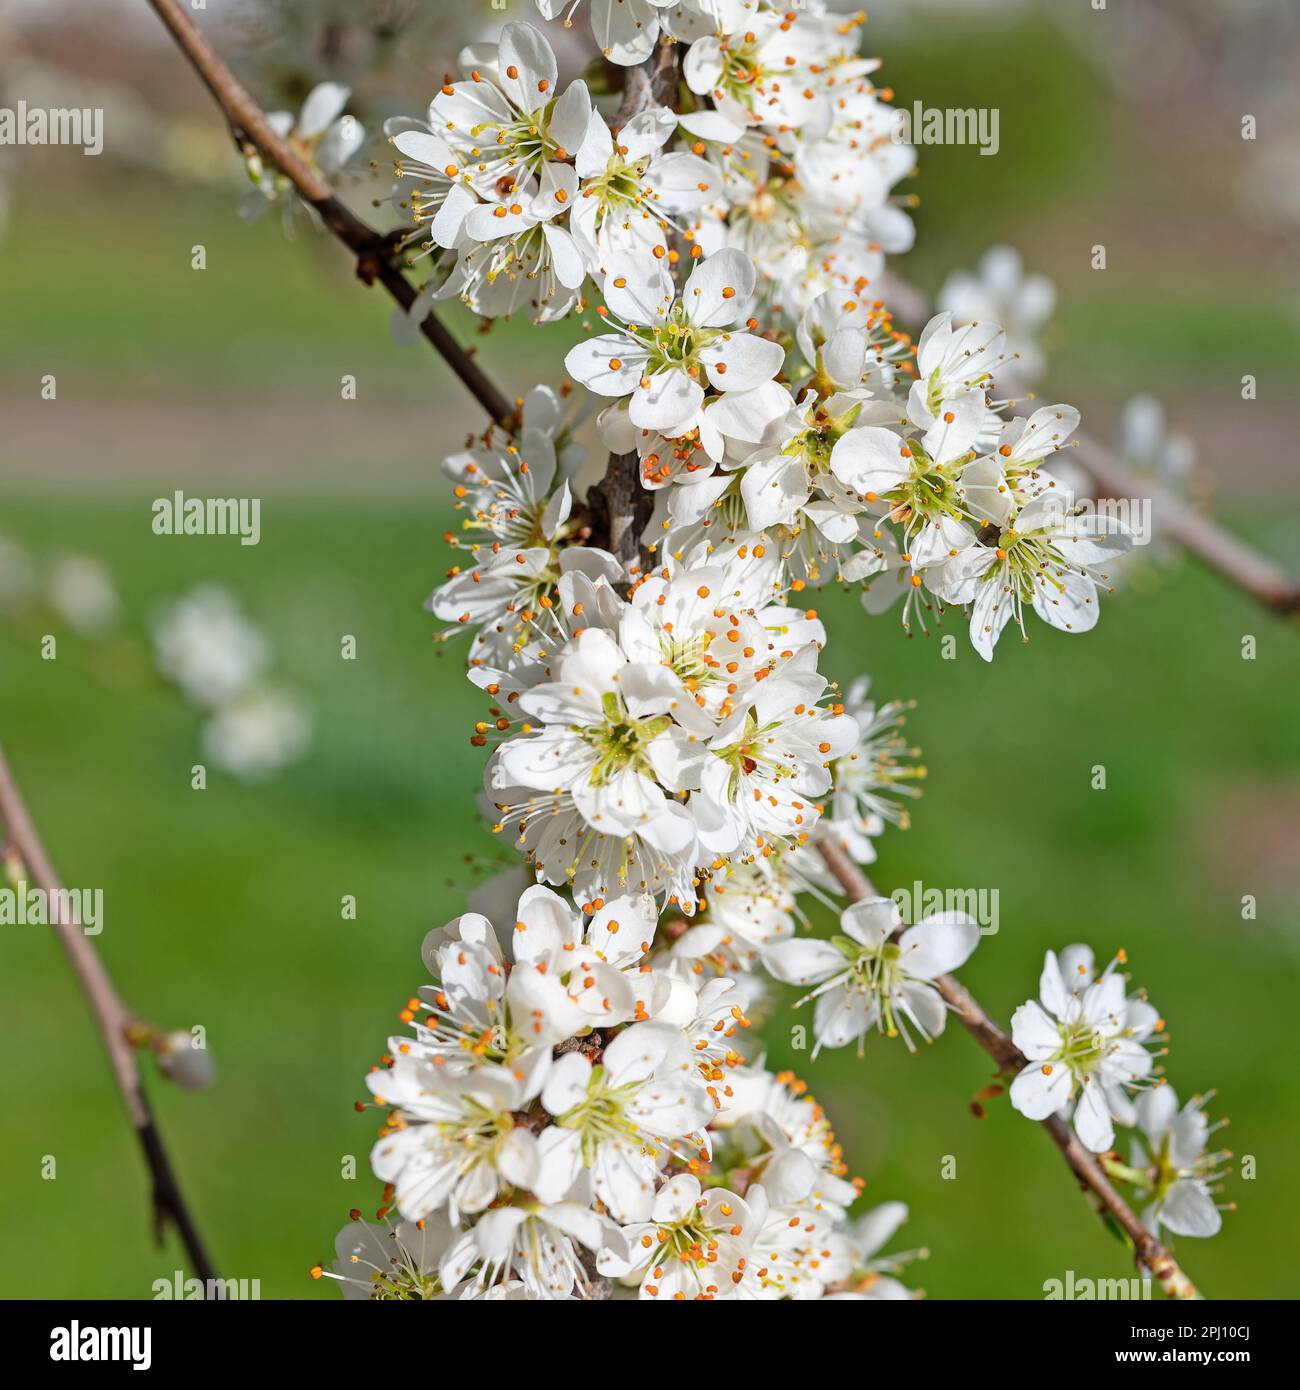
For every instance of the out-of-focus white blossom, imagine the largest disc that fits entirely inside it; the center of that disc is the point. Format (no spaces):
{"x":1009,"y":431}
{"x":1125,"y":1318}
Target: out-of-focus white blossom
{"x":257,"y":734}
{"x":81,"y":591}
{"x":206,"y":646}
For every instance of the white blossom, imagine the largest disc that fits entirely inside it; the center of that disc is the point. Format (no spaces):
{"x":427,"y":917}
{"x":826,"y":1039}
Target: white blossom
{"x":617,"y":1122}
{"x":1178,"y":1176}
{"x":1084,"y":1039}
{"x":868,"y":979}
{"x":205,"y":644}
{"x":1000,"y":290}
{"x":670,"y":346}
{"x":321,"y":136}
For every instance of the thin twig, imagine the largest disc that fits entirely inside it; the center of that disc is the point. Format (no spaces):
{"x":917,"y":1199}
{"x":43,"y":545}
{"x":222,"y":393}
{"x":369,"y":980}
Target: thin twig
{"x":113,"y":1019}
{"x":1231,"y":557}
{"x":1148,"y":1252}
{"x":375,"y":251}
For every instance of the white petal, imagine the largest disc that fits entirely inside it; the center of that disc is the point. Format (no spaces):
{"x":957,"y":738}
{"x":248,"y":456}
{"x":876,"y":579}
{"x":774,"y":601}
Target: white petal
{"x":718,"y":289}
{"x":1034,"y":1032}
{"x":1040,"y":1090}
{"x":872,"y":921}
{"x":804,"y":961}
{"x":938,"y":944}
{"x":871,"y":460}
{"x":1189,"y":1210}
{"x":1092,"y":1122}
{"x":524,"y":51}
{"x":608,"y":365}
{"x":742,"y":361}
{"x":669,"y":402}
{"x":324,"y":105}
{"x":567,"y":1084}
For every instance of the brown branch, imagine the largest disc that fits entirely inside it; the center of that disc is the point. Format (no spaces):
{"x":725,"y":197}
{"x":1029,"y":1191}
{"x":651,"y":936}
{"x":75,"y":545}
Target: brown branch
{"x":1148,"y":1252}
{"x":375,"y":252}
{"x":1238,"y":563}
{"x":619,"y":509}
{"x":651,"y":83}
{"x":618,"y":506}
{"x":113,"y":1019}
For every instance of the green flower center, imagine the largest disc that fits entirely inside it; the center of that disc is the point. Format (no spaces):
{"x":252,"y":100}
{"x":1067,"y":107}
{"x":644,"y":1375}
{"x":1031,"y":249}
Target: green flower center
{"x":620,"y":186}
{"x":1027,"y":561}
{"x":934,"y":389}
{"x":403,"y":1283}
{"x":931,"y":489}
{"x":874,"y":970}
{"x":1082,"y":1047}
{"x":742,"y":72}
{"x":675,"y":343}
{"x":600,"y":1115}
{"x":621,"y":741}
{"x":526,"y":140}
{"x":688,"y":659}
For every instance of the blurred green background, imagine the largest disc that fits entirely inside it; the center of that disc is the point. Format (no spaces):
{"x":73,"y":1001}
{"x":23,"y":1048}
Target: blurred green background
{"x":222,"y":906}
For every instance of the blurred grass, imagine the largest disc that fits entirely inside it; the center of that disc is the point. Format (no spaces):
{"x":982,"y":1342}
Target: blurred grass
{"x":222,"y":906}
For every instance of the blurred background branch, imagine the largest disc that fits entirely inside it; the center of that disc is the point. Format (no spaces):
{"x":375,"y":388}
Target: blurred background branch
{"x":374,"y":251}
{"x":115,"y":1021}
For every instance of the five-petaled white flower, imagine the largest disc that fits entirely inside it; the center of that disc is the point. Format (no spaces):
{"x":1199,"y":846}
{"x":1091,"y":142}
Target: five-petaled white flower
{"x":868,"y":979}
{"x":695,"y":1246}
{"x":453,"y":1141}
{"x":670,"y":347}
{"x":1083,"y":1039}
{"x":618,"y":1121}
{"x":631,"y":189}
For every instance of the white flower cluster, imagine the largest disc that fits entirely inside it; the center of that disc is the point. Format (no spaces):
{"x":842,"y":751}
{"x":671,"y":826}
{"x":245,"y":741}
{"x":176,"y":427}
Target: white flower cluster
{"x":77,"y":589}
{"x":1086,"y":1041}
{"x":1001,"y":291}
{"x":685,"y":732}
{"x":925,"y":492}
{"x":577,"y":1105}
{"x":653,"y":733}
{"x":526,"y":184}
{"x":789,"y":155}
{"x":573,"y":1107}
{"x":864,"y":457}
